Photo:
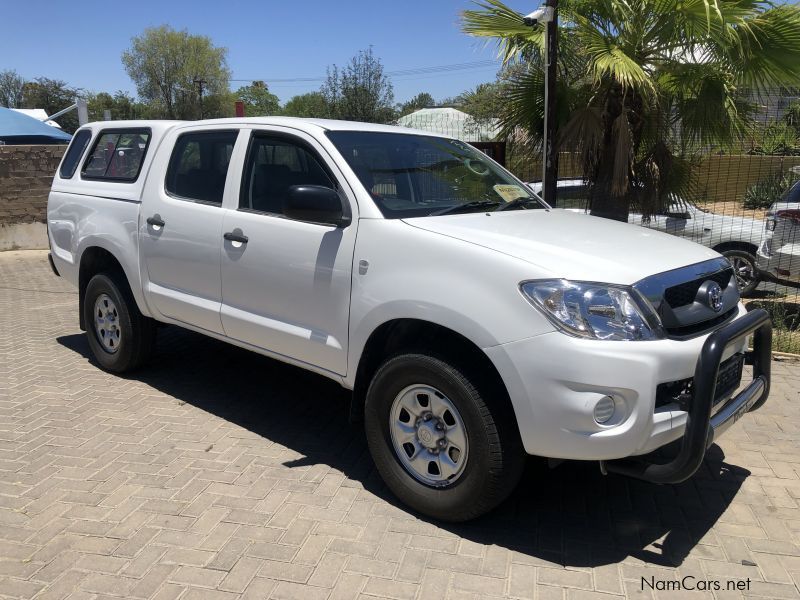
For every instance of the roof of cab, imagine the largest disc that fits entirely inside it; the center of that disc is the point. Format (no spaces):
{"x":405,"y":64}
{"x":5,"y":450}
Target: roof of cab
{"x":303,"y":124}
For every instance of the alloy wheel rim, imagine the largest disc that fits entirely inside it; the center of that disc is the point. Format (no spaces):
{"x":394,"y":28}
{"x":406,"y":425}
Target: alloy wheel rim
{"x":106,"y":323}
{"x":428,"y":435}
{"x":743,"y":269}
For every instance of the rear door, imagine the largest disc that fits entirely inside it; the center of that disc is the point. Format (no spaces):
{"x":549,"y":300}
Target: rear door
{"x":287,"y":288}
{"x":180,"y":229}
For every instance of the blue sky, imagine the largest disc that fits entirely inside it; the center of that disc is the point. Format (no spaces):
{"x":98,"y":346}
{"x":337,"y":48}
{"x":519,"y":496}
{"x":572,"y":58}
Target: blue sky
{"x":81,"y":42}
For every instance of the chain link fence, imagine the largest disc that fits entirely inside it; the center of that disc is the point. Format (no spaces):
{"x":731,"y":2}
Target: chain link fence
{"x":740,"y":200}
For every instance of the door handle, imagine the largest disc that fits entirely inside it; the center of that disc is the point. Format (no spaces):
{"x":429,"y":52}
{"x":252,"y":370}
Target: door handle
{"x":235,"y":237}
{"x":155,"y":221}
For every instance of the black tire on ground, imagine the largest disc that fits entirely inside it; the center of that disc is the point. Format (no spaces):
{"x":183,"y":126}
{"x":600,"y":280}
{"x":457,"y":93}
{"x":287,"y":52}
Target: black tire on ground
{"x":746,"y":260}
{"x":138,"y":333}
{"x":495,"y":458}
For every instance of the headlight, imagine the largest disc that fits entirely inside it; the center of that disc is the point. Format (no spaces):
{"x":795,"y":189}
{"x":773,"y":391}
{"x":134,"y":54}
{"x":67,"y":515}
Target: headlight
{"x":592,"y":310}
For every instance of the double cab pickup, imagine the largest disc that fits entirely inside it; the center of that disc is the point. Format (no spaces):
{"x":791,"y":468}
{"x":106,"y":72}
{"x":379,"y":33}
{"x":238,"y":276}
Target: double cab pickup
{"x":473,"y":323}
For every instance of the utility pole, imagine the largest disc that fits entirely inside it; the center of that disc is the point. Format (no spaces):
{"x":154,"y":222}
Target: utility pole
{"x":550,"y":174}
{"x":200,"y":83}
{"x":548,"y":16}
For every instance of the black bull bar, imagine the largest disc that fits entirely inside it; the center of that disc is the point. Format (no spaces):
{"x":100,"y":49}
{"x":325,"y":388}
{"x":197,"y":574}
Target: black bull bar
{"x":702,"y":428}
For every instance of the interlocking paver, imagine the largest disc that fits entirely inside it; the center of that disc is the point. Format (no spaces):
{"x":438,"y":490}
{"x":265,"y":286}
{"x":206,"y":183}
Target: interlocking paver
{"x":216,"y":473}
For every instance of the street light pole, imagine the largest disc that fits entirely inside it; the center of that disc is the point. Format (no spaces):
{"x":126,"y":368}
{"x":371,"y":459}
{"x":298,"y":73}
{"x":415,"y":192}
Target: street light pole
{"x":548,"y":16}
{"x":550,"y":162}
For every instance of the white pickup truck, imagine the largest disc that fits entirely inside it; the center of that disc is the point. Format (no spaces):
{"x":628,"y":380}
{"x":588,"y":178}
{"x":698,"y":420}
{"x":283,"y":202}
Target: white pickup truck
{"x":472,"y":323}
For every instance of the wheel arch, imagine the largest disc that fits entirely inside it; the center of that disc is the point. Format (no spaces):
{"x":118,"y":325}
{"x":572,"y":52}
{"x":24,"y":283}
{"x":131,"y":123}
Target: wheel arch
{"x":400,"y":334}
{"x":97,"y":259}
{"x":731,"y":245}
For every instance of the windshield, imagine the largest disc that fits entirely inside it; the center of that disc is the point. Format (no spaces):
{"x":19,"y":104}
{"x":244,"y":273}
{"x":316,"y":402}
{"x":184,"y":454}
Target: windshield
{"x":792,"y":194}
{"x":419,"y":175}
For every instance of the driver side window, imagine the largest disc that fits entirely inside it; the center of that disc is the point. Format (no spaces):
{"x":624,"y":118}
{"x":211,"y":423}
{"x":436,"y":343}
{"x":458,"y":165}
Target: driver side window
{"x":275,"y":164}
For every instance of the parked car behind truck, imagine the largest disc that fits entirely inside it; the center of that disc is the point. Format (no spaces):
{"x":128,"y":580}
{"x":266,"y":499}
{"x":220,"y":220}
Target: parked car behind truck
{"x":473,"y":324}
{"x":779,"y":254}
{"x":736,"y":238}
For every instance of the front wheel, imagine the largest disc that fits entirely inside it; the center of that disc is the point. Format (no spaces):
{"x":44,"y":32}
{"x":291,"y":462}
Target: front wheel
{"x":441,"y":444}
{"x":744,"y":268}
{"x":120,"y":337}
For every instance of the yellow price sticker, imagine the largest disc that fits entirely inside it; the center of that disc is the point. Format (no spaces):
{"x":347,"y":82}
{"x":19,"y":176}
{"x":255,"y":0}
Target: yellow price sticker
{"x":509,"y":192}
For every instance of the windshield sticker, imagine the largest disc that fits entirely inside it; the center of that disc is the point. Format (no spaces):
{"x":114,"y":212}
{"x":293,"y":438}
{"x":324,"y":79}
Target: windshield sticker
{"x":510,"y":192}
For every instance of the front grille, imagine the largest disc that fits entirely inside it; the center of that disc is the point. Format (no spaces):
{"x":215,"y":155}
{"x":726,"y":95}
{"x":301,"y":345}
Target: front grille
{"x":674,"y":296}
{"x":701,"y":327}
{"x":685,"y":293}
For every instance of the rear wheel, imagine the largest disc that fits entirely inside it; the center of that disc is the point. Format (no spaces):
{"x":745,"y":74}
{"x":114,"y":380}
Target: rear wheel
{"x":744,"y":268}
{"x":120,"y":337}
{"x":441,"y":440}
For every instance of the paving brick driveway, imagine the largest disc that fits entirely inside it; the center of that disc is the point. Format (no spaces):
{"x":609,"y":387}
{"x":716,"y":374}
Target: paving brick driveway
{"x":217,"y":473}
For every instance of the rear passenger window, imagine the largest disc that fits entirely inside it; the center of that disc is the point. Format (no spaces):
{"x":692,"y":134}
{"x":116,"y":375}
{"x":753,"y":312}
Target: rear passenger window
{"x":274,"y":164}
{"x":117,"y":155}
{"x":199,"y":164}
{"x":70,"y":163}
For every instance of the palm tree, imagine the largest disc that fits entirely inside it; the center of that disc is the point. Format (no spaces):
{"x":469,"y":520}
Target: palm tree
{"x":644,"y":84}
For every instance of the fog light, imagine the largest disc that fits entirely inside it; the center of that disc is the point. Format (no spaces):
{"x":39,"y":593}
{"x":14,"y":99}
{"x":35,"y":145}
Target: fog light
{"x":604,"y":409}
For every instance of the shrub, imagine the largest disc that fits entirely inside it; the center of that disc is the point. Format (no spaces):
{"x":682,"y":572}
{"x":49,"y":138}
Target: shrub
{"x":785,"y":323}
{"x":766,"y":191}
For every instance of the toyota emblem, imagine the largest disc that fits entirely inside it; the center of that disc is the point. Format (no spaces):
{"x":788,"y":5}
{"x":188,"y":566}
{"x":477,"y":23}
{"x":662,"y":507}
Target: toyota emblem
{"x":714,"y":297}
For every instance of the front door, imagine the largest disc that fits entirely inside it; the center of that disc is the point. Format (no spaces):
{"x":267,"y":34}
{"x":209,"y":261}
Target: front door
{"x":180,"y":229}
{"x":287,"y":288}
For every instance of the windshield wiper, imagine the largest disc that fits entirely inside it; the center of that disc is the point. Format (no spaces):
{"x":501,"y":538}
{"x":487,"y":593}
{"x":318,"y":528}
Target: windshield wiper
{"x":475,"y":204}
{"x":516,"y":203}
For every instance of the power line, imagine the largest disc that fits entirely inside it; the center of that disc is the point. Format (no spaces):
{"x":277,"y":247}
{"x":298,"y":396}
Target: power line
{"x":311,"y":85}
{"x":481,"y":64}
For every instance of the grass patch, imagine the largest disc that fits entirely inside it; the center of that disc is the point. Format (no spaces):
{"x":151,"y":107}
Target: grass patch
{"x":785,"y":324}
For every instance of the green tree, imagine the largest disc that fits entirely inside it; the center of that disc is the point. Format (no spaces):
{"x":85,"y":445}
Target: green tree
{"x":421,"y":100}
{"x":121,"y":105}
{"x":182,"y":76}
{"x":792,"y":116}
{"x":360,"y":91}
{"x":52,"y":95}
{"x":258,"y":100}
{"x":312,"y":104}
{"x":643,"y":84}
{"x":11,"y":84}
{"x":484,"y":103}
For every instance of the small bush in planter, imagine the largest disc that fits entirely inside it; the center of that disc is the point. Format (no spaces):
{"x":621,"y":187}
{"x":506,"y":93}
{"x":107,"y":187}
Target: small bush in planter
{"x":766,"y":191}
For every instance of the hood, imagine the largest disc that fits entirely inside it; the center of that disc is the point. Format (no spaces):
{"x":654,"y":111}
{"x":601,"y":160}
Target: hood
{"x":573,"y":246}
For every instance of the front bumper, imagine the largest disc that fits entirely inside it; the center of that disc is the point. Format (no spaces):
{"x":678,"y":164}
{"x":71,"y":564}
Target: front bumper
{"x":554,"y":382}
{"x":781,"y":266}
{"x":701,"y":427}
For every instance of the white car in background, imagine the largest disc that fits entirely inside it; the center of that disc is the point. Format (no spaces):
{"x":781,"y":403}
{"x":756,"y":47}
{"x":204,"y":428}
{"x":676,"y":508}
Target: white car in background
{"x":736,"y":238}
{"x":779,"y":253}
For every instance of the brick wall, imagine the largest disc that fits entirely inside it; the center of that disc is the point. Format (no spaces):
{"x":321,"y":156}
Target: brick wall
{"x":26,"y":173}
{"x":727,"y":178}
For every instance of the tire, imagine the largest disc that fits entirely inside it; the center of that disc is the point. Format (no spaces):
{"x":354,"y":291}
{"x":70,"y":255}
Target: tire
{"x":744,"y":265}
{"x":124,"y":340}
{"x":486,"y":471}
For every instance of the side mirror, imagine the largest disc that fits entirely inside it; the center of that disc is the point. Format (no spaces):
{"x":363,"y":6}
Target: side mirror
{"x":315,"y":204}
